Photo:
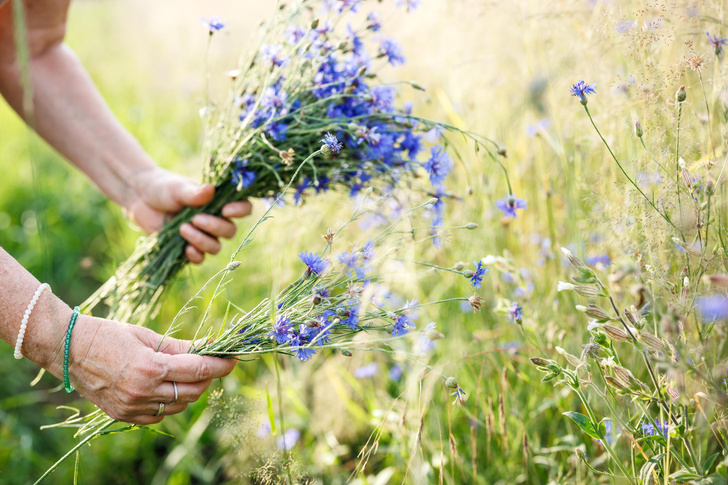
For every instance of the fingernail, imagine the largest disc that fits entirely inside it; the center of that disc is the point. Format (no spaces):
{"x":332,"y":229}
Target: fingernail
{"x":200,"y":220}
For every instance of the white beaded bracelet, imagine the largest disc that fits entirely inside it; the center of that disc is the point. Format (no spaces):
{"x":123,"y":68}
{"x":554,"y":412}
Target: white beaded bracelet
{"x":26,"y":316}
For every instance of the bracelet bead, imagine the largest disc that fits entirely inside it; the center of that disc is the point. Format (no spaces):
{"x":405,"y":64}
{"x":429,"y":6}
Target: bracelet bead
{"x":66,"y":348}
{"x":26,"y":316}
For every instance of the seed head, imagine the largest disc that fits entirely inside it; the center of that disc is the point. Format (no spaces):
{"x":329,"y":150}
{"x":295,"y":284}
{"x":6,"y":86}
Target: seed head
{"x":476,"y":302}
{"x":616,"y":333}
{"x":287,"y":155}
{"x":329,"y":236}
{"x":652,"y":342}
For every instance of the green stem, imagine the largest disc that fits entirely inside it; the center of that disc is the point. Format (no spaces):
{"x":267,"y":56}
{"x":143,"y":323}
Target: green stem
{"x":664,"y":216}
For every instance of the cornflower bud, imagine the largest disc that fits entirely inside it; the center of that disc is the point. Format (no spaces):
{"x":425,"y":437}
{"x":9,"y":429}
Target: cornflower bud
{"x":652,"y":342}
{"x":616,"y":333}
{"x":710,"y":187}
{"x":233,"y":265}
{"x":345,"y":353}
{"x":638,"y":129}
{"x":432,"y":201}
{"x":314,"y":24}
{"x":471,"y":225}
{"x":325,"y":149}
{"x":451,"y":383}
{"x":580,"y":453}
{"x":459,"y":265}
{"x":502,"y":152}
{"x":681,"y":94}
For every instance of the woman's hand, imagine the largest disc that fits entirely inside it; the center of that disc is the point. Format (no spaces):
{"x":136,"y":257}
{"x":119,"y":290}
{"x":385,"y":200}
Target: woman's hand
{"x":125,"y":371}
{"x":157,"y":193}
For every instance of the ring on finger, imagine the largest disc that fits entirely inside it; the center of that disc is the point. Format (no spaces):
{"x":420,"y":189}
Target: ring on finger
{"x":176,"y":395}
{"x":160,"y":411}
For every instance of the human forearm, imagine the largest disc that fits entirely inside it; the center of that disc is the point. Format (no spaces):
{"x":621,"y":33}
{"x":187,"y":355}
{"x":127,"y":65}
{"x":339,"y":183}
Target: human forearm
{"x":70,"y":114}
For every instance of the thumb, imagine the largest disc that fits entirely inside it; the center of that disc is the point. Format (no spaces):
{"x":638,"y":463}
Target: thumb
{"x":189,"y":193}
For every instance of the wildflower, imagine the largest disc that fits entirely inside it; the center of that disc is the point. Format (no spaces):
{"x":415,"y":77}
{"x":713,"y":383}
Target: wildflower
{"x":563,"y":286}
{"x":696,"y":62}
{"x":581,"y":89}
{"x":243,"y":177}
{"x":214,"y":24}
{"x":681,"y":95}
{"x":713,"y":308}
{"x":330,"y":144}
{"x":401,"y":326}
{"x":390,"y":49}
{"x":516,"y":312}
{"x":367,"y":253}
{"x":475,"y":302}
{"x":508,"y":205}
{"x":410,"y":4}
{"x":395,"y":372}
{"x":718,"y":43}
{"x":373,"y":22}
{"x":369,"y":370}
{"x":271,"y":53}
{"x":288,"y":440}
{"x":297,"y":343}
{"x":320,"y":294}
{"x":648,"y":429}
{"x":316,"y":265}
{"x":329,"y":236}
{"x":476,"y":277}
{"x":438,"y":165}
{"x":281,"y":330}
{"x":350,"y":260}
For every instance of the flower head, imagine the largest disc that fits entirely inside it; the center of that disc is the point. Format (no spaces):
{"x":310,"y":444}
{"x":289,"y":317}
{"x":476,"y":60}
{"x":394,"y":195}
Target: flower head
{"x":330,"y":144}
{"x":214,"y":24}
{"x":242,"y":176}
{"x":438,"y":165}
{"x":476,"y":277}
{"x":508,"y":205}
{"x":718,"y":42}
{"x":650,"y":430}
{"x":516,"y":312}
{"x":316,"y":265}
{"x":581,"y":89}
{"x":390,"y":49}
{"x":281,"y":330}
{"x":713,"y":308}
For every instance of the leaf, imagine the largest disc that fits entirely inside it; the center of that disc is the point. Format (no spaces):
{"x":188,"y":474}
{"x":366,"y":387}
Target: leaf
{"x":683,"y":475}
{"x":584,"y":423}
{"x":271,"y":413}
{"x":649,"y":467}
{"x":709,"y":462}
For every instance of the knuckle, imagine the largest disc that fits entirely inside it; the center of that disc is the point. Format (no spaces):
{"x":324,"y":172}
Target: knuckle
{"x":204,"y":371}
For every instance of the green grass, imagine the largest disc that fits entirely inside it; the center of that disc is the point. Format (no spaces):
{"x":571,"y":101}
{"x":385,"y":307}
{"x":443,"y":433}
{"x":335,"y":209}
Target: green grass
{"x":495,"y":69}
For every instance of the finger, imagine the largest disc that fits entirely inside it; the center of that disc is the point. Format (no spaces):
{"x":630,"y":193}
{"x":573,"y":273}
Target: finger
{"x":237,"y":209}
{"x":187,"y":392}
{"x":189,"y":193}
{"x":194,"y":255}
{"x":144,"y":419}
{"x":214,"y":226}
{"x":196,"y":368}
{"x":201,"y":241}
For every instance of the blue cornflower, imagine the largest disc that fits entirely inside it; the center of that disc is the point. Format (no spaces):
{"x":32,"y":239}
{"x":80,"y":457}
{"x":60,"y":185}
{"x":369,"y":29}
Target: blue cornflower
{"x":331,"y":142}
{"x":294,"y":34}
{"x":390,"y":49}
{"x":401,"y":326}
{"x":272,"y":54}
{"x":320,"y":294}
{"x":214,"y":24}
{"x":373,"y":22}
{"x":718,"y":42}
{"x":369,"y":370}
{"x":349,"y":315}
{"x":581,"y":89}
{"x":316,"y":265}
{"x":508,"y":205}
{"x":476,"y":277}
{"x":602,"y":259}
{"x":281,"y":330}
{"x":242,"y":176}
{"x":437,"y":223}
{"x":713,"y":308}
{"x":459,"y":395}
{"x":438,"y":165}
{"x":410,"y":4}
{"x":288,"y":440}
{"x":395,"y":372}
{"x":516,"y":312}
{"x":663,"y":427}
{"x":303,"y":353}
{"x":411,"y":308}
{"x":350,"y":260}
{"x":367,"y":253}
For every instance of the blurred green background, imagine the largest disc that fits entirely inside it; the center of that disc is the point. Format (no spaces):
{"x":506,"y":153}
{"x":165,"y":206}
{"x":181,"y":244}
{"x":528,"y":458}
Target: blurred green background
{"x":502,"y":69}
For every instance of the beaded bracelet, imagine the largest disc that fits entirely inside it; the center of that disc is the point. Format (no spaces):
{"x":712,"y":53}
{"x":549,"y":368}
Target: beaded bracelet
{"x":21,"y":334}
{"x":66,"y":348}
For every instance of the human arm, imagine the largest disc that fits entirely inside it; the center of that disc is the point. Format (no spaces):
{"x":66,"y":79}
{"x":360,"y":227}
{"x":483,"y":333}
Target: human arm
{"x":70,"y":114}
{"x":121,"y":368}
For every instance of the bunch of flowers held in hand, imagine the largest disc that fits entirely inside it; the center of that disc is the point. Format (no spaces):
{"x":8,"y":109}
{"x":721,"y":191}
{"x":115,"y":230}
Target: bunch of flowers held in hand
{"x":307,"y":111}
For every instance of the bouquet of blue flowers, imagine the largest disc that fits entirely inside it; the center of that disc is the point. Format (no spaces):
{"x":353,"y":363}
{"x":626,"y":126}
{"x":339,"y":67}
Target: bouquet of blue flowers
{"x":306,"y":113}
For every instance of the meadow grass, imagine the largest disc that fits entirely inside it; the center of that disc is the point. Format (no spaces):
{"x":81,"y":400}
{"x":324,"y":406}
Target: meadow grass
{"x":502,"y":69}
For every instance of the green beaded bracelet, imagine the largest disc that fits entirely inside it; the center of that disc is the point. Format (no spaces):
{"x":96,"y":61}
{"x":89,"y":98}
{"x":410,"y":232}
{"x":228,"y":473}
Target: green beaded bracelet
{"x":66,"y":348}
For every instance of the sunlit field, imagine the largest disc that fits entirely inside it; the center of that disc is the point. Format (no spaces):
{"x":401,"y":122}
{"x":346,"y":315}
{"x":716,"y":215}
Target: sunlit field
{"x":613,"y":369}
